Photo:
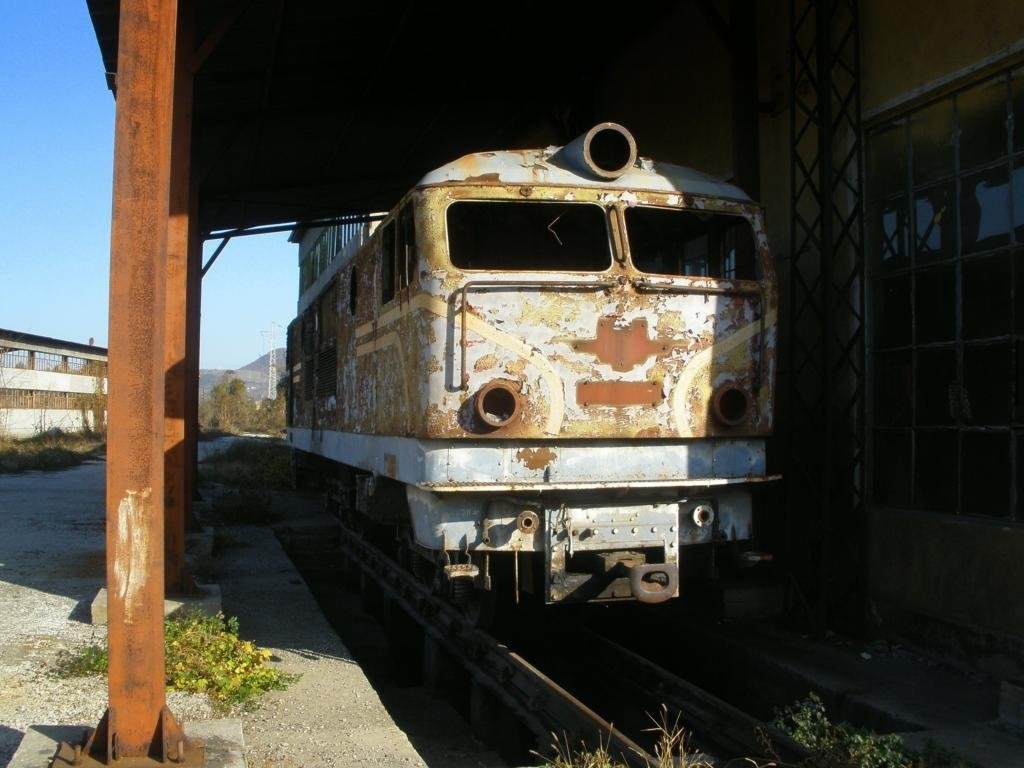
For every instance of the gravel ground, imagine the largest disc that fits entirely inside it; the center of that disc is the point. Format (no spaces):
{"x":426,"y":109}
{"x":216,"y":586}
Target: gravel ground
{"x":51,"y":566}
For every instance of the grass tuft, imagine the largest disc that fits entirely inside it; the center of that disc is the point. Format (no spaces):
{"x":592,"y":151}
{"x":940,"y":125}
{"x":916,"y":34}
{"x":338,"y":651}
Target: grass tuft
{"x":250,"y":463}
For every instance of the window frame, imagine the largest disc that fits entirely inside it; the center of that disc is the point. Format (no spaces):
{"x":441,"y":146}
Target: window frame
{"x":920,"y":263}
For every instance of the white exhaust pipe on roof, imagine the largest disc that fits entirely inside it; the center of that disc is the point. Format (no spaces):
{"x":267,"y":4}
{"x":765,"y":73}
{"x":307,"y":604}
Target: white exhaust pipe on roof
{"x":605,"y":152}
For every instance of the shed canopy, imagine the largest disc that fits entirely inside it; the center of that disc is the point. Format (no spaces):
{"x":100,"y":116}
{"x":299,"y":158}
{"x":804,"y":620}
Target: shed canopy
{"x":305,"y":110}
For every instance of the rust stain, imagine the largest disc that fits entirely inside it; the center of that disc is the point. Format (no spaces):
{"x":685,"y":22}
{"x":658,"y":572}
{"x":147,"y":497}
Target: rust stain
{"x":132,"y":564}
{"x":536,"y":458}
{"x":390,"y":465}
{"x":621,"y":348}
{"x":486,"y":362}
{"x":516,"y":367}
{"x":618,"y":393}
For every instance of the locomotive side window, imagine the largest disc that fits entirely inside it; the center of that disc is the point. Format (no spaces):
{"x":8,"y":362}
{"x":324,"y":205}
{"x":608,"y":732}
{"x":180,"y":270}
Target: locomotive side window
{"x":520,"y":235}
{"x":398,"y":254}
{"x":387,"y":263}
{"x":406,"y":256}
{"x":667,"y":241}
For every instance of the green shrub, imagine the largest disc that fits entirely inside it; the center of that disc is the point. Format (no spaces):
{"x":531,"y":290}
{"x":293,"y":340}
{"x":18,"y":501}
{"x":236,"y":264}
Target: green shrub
{"x":202,"y":654}
{"x":840,"y":745}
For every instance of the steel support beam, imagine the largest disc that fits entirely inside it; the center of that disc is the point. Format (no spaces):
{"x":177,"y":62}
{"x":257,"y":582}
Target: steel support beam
{"x":825,"y":413}
{"x":181,"y":231}
{"x":137,"y":724}
{"x":192,"y":326}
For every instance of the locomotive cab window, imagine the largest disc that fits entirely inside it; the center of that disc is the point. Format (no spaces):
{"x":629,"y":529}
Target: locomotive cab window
{"x":666,"y":241}
{"x":526,"y":235}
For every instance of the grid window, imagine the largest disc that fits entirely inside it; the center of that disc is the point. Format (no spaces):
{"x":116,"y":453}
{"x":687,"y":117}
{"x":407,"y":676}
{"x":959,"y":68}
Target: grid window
{"x":945,"y":244}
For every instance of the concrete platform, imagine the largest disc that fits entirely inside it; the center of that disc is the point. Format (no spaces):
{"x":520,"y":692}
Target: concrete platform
{"x":209,"y":603}
{"x":224,"y":743}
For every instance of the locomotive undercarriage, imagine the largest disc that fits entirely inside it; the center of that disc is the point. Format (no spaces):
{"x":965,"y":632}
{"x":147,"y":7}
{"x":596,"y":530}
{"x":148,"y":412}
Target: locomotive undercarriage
{"x":599,"y":545}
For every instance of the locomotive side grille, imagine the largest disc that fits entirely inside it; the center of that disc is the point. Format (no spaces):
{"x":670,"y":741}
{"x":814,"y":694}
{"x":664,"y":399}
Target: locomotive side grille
{"x":327,"y":372}
{"x":307,"y":379}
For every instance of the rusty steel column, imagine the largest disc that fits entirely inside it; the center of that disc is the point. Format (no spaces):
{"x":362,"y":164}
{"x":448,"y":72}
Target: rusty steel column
{"x":192,"y":305}
{"x":137,"y":723}
{"x":177,"y":502}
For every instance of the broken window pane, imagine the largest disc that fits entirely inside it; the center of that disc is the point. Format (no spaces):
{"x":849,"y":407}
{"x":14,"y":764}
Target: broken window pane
{"x":931,"y":134}
{"x":887,"y":160}
{"x":892,"y":312}
{"x":1018,"y":111}
{"x":1018,"y":388}
{"x":1018,"y":199}
{"x":983,"y":121}
{"x":935,"y":223}
{"x":985,"y":210}
{"x":935,"y":304}
{"x":893,"y":389}
{"x":892,"y":466}
{"x":987,"y":308}
{"x":887,"y":233}
{"x":936,"y":390}
{"x":987,"y":380}
{"x":935,"y":472}
{"x":1020,"y":476}
{"x":668,"y":241}
{"x":521,"y":235}
{"x":985,"y":468}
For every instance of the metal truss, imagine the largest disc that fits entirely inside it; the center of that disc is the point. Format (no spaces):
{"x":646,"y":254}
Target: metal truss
{"x":825,"y":413}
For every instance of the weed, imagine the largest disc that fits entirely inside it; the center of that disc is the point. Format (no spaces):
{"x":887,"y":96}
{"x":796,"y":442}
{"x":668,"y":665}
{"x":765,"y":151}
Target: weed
{"x":581,"y":757}
{"x":202,"y":654}
{"x":671,"y":750}
{"x":206,"y":655}
{"x":250,"y":463}
{"x":53,"y":449}
{"x":86,"y":662}
{"x":843,"y":746}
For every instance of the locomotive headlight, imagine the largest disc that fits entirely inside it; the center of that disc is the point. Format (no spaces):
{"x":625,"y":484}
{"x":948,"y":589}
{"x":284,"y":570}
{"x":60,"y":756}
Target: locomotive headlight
{"x":730,"y":405}
{"x":498,"y":404}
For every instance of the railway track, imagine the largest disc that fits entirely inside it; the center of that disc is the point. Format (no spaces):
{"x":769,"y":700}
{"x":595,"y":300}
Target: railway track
{"x":606,"y":677}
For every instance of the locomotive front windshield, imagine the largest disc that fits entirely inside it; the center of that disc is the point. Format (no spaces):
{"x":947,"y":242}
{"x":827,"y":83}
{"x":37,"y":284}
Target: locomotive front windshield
{"x":690,"y":243}
{"x":526,"y":235}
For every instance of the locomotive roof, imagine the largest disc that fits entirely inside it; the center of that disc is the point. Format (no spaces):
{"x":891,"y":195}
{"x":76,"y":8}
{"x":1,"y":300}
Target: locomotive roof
{"x":535,"y":166}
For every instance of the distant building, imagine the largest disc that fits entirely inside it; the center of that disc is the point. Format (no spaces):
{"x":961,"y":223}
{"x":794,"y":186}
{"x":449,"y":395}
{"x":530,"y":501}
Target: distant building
{"x":49,"y":384}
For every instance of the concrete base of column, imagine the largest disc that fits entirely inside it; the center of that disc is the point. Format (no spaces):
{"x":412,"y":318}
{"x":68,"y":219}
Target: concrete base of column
{"x":224,"y":743}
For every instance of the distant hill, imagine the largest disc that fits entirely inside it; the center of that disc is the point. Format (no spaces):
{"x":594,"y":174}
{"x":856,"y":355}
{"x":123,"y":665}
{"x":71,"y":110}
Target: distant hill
{"x":254,"y":375}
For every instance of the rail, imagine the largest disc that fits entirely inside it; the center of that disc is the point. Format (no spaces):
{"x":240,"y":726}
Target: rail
{"x":544,"y":706}
{"x":539,"y":703}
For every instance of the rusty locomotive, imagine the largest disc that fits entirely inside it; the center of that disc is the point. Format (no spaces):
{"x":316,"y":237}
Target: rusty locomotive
{"x":548,"y":371}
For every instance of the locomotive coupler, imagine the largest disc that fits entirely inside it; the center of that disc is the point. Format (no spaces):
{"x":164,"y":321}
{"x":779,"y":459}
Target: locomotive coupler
{"x":654,"y":583}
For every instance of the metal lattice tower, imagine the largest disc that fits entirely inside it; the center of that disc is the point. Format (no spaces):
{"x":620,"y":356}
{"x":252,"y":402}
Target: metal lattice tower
{"x":825,"y":414}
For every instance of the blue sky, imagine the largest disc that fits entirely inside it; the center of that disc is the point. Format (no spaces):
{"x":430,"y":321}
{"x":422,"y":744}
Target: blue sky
{"x":56,"y":161}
